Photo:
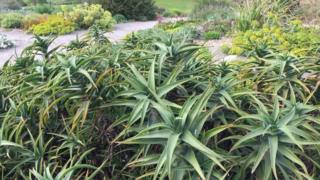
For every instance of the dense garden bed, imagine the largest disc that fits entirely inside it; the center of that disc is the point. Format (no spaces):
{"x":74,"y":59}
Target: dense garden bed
{"x":156,"y":107}
{"x":65,"y":20}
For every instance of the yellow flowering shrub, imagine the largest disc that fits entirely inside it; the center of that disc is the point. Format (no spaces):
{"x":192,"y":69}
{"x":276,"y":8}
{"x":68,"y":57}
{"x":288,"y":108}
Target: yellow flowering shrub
{"x":293,"y":39}
{"x":80,"y":16}
{"x":54,"y":24}
{"x":33,"y":19}
{"x":86,"y":15}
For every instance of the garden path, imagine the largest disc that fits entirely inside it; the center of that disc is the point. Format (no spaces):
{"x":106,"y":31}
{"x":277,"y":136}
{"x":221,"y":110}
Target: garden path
{"x":23,"y":39}
{"x":214,"y":47}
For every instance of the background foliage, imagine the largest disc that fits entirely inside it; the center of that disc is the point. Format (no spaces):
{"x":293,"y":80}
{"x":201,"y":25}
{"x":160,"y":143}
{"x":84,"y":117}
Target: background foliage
{"x":131,"y":9}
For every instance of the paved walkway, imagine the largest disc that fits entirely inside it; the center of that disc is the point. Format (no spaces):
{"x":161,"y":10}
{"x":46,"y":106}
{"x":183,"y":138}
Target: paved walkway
{"x":23,"y":39}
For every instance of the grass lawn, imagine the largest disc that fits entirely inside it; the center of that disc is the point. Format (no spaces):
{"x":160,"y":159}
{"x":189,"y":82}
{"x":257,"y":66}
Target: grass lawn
{"x":185,"y":6}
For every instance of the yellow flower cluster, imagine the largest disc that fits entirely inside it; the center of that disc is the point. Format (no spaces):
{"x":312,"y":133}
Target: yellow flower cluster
{"x":85,"y":15}
{"x":55,"y":24}
{"x":80,"y":16}
{"x":293,"y":39}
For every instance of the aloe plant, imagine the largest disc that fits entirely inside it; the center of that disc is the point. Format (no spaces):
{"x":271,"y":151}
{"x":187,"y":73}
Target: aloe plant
{"x":153,"y":108}
{"x":179,"y":135}
{"x":282,"y":74}
{"x":276,"y":139}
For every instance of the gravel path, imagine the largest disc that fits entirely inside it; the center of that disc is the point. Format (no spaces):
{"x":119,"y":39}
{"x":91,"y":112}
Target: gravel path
{"x":23,"y":39}
{"x":214,"y":47}
{"x":122,"y":29}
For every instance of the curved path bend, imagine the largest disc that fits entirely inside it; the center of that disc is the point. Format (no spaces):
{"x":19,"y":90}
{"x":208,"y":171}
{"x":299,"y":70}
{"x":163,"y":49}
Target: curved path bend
{"x":23,"y":39}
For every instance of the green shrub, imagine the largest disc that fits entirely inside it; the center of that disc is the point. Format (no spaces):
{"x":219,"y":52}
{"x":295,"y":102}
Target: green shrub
{"x":223,"y":26}
{"x":213,"y":10}
{"x":43,"y":9}
{"x":204,"y":54}
{"x":132,"y":9}
{"x":11,"y":20}
{"x":172,"y":13}
{"x":97,"y":35}
{"x":86,"y":15}
{"x":253,"y":13}
{"x":119,"y":18}
{"x":53,"y":25}
{"x":225,"y":48}
{"x":188,"y":28}
{"x":172,"y":26}
{"x":212,"y":35}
